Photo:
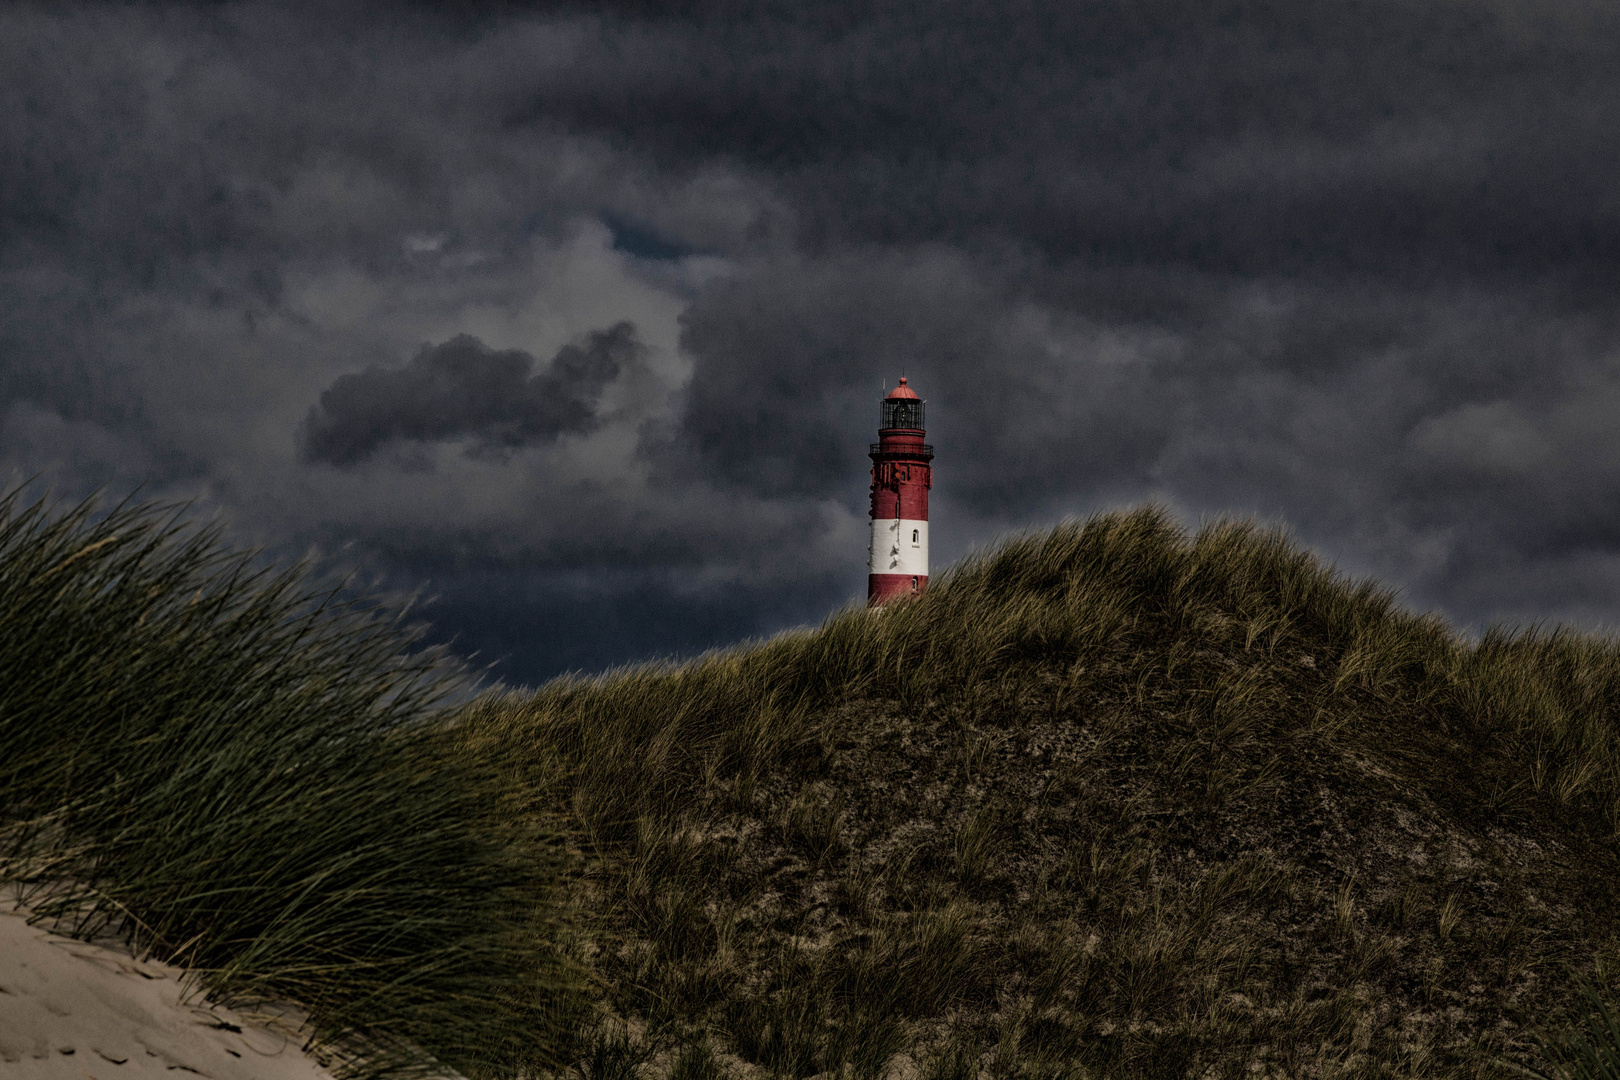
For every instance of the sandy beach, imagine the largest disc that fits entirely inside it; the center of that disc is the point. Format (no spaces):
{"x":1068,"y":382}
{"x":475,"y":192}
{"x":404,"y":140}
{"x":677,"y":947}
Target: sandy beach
{"x":71,"y":1010}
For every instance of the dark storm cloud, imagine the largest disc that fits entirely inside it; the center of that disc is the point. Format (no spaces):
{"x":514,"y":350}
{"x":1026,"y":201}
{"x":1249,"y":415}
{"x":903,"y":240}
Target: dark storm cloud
{"x":464,"y":389}
{"x":1235,"y":137}
{"x":1353,"y":266}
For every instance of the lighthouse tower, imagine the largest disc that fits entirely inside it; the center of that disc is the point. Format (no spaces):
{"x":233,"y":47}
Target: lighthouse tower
{"x":901,"y":477}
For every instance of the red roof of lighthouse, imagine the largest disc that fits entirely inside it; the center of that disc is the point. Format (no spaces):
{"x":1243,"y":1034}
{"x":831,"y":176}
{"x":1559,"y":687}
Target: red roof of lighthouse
{"x":902,"y":392}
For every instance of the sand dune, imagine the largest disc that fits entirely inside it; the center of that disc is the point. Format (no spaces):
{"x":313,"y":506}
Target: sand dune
{"x":72,"y":1009}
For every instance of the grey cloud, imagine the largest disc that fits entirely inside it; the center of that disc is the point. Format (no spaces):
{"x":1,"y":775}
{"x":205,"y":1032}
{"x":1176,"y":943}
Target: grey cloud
{"x":462,"y":389}
{"x":1494,"y":439}
{"x":1392,"y":137}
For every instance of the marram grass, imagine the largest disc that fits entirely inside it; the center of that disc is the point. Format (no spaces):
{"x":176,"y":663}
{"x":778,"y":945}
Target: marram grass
{"x":1110,"y":800}
{"x":251,"y":777}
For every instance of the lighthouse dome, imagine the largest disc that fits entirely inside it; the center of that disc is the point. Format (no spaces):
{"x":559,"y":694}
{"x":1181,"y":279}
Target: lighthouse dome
{"x":902,"y":392}
{"x":902,"y":408}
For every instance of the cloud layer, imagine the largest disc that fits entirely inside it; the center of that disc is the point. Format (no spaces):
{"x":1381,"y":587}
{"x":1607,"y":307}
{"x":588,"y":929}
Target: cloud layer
{"x":463,"y":389}
{"x":1350,"y":267}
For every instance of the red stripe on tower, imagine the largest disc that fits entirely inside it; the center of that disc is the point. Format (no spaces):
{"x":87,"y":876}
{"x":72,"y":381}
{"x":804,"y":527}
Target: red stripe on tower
{"x":901,"y":477}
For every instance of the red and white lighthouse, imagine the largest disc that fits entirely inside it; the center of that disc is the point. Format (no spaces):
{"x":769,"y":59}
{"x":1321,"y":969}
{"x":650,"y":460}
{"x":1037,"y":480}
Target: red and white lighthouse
{"x":901,"y":477}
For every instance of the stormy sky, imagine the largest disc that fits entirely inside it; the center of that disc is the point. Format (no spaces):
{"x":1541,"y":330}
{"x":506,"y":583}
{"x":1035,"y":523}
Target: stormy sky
{"x":577,"y":316}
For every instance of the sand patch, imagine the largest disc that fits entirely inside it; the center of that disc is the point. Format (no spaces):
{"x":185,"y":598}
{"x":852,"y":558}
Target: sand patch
{"x":73,"y":1009}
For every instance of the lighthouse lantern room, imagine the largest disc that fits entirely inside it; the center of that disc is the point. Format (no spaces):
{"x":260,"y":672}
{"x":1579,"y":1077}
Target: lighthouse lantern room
{"x":901,"y":477}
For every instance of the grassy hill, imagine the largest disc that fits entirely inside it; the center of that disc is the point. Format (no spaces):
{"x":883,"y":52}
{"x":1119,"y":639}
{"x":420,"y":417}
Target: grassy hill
{"x":1109,"y":800}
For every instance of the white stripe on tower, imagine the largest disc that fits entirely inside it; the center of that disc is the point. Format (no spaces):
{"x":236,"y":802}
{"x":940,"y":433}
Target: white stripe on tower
{"x":899,"y":546}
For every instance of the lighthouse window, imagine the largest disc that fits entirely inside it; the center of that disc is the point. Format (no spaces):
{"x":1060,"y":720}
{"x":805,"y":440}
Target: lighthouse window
{"x":914,"y":535}
{"x":902,"y":414}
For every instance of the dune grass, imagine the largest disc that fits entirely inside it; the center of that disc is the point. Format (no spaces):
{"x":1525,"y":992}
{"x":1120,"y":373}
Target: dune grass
{"x":1108,"y":800}
{"x":251,"y":777}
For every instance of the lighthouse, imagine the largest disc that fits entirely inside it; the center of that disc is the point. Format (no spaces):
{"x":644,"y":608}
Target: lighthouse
{"x":901,"y":477}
